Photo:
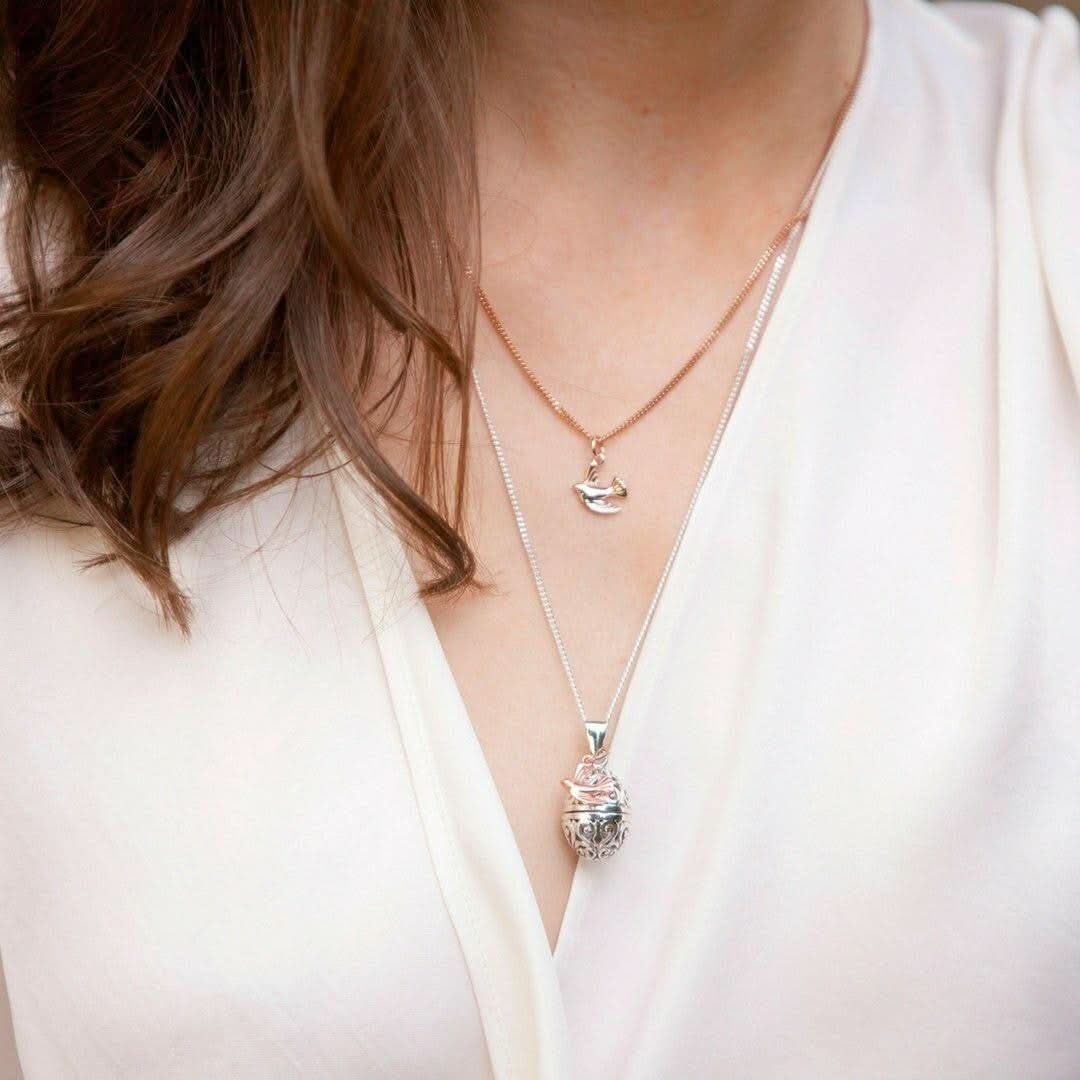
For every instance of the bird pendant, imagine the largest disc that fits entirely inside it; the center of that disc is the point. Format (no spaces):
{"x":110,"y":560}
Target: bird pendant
{"x":596,"y":496}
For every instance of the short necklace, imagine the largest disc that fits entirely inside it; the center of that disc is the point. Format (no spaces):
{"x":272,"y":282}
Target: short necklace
{"x":595,"y":495}
{"x":596,"y":814}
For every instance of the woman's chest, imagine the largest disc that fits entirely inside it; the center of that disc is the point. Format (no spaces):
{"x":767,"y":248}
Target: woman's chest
{"x":277,"y":850}
{"x":227,"y":864}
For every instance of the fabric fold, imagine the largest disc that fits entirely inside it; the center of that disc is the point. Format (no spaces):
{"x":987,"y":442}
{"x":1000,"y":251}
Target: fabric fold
{"x":476,"y":858}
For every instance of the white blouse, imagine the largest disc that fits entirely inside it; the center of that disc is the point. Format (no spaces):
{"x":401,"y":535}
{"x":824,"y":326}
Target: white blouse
{"x":275,"y":850}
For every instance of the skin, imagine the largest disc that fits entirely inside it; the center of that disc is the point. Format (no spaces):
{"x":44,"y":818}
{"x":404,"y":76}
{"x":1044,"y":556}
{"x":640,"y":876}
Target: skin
{"x":635,"y":159}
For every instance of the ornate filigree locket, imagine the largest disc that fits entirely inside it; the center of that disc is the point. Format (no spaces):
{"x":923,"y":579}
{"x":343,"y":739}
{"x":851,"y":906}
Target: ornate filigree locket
{"x":596,"y":815}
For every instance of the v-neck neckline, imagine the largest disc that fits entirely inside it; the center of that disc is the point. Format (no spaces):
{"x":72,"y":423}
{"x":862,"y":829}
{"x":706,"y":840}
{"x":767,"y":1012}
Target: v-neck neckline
{"x":413,"y":653}
{"x":642,"y":676}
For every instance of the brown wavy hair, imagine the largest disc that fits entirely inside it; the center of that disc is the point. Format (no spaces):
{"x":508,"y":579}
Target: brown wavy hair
{"x":220,"y":216}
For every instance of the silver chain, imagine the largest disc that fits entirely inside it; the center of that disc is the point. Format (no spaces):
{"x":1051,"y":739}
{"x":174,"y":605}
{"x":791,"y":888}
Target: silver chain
{"x":749,"y":350}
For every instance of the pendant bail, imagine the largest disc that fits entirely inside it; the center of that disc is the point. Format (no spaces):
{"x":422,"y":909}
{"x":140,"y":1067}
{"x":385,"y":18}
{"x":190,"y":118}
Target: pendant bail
{"x":597,"y":732}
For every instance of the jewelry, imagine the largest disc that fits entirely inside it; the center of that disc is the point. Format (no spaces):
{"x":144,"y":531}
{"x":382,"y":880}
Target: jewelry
{"x":595,"y":495}
{"x":596,"y":813}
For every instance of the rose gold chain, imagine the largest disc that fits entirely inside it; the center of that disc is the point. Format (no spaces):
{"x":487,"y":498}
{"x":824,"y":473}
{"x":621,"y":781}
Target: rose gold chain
{"x":560,"y":410}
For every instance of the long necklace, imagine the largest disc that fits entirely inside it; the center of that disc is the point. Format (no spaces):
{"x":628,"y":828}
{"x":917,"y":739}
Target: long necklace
{"x":596,"y":495}
{"x":596,"y":812}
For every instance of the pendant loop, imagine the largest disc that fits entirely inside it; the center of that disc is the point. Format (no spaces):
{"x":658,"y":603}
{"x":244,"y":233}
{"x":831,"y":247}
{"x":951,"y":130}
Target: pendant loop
{"x":597,"y":732}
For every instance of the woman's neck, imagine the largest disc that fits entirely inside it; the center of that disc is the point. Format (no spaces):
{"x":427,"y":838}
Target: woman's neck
{"x":632,"y":100}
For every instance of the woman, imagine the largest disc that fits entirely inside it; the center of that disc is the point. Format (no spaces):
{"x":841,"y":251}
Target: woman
{"x":379,"y":519}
